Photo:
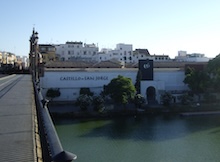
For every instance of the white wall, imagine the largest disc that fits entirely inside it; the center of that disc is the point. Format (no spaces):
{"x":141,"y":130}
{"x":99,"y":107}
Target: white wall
{"x":70,"y":81}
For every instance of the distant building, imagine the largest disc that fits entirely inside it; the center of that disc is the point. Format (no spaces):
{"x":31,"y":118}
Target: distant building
{"x":1,"y":58}
{"x":8,"y":58}
{"x":77,"y":51}
{"x":48,"y":52}
{"x":194,"y":57}
{"x":25,"y":62}
{"x":123,"y":53}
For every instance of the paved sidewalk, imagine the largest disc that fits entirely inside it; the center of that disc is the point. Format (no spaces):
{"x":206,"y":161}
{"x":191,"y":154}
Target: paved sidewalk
{"x":17,"y":115}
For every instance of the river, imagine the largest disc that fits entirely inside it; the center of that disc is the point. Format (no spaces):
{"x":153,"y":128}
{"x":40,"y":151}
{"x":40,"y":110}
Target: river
{"x":155,"y":139}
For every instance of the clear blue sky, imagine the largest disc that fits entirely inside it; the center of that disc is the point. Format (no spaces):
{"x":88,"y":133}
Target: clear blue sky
{"x":161,"y":26}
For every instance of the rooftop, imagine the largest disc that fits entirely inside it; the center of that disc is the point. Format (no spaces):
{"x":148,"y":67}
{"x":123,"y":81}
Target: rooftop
{"x":115,"y":64}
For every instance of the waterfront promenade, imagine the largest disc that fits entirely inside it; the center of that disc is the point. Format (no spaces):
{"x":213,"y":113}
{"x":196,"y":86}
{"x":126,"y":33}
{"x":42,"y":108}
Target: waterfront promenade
{"x":18,"y":124}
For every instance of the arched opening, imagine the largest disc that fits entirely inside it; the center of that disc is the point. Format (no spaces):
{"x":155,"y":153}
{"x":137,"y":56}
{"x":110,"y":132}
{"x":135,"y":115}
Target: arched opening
{"x":151,"y":95}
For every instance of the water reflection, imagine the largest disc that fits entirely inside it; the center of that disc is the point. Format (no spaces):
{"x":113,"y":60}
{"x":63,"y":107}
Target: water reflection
{"x":158,"y":138}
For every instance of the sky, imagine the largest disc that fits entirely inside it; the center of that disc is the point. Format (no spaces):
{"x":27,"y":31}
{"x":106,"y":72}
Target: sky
{"x":161,"y":26}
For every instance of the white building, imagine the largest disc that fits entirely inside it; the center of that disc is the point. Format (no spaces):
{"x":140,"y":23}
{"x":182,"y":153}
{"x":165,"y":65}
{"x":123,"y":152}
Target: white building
{"x":194,"y":57}
{"x":70,"y":80}
{"x":77,"y":51}
{"x":25,"y":62}
{"x":8,"y":58}
{"x":124,"y":53}
{"x":121,"y":53}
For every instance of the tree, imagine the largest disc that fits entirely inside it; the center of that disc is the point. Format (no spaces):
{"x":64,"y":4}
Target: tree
{"x":121,"y":90}
{"x":138,"y":82}
{"x":196,"y":80}
{"x":166,"y":98}
{"x":98,"y":103}
{"x":214,"y":65}
{"x":214,"y":73}
{"x":83,"y":101}
{"x":53,"y":93}
{"x":139,"y":100}
{"x":185,"y":99}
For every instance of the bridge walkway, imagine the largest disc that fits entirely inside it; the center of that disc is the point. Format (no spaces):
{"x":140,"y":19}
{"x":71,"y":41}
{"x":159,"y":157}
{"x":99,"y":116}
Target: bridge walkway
{"x":19,"y":140}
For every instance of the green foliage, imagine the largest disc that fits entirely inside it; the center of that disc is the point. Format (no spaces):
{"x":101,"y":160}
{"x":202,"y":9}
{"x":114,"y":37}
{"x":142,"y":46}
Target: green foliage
{"x":209,"y":98}
{"x":52,"y":93}
{"x":85,"y":91}
{"x":83,"y":101}
{"x":139,"y":100}
{"x":214,"y":72}
{"x":166,"y":98}
{"x":214,"y":65}
{"x":98,"y":103}
{"x":185,"y":99}
{"x":120,"y":89}
{"x":138,"y":81}
{"x":197,"y":81}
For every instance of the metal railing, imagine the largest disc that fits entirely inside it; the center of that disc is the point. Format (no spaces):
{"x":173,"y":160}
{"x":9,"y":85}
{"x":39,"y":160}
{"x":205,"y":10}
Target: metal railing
{"x":52,"y":149}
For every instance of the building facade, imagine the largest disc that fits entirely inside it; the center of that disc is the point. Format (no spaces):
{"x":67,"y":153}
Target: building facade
{"x":194,"y":57}
{"x":90,"y":52}
{"x":48,"y":52}
{"x":70,"y":80}
{"x":77,"y":51}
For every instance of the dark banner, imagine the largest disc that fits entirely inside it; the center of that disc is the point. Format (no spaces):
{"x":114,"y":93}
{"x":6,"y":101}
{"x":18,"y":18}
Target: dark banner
{"x":146,"y":68}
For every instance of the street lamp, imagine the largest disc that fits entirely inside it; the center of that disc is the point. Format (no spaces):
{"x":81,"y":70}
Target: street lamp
{"x":34,"y":55}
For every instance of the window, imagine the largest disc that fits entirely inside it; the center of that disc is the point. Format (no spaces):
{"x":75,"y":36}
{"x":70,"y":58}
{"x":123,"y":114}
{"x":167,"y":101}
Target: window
{"x":51,"y":49}
{"x":43,"y":49}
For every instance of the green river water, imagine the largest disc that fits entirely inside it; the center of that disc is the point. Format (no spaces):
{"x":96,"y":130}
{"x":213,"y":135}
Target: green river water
{"x":146,"y":139}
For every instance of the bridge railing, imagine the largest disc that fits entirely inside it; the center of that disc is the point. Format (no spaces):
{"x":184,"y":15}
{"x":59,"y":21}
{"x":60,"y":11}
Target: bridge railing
{"x":52,"y":149}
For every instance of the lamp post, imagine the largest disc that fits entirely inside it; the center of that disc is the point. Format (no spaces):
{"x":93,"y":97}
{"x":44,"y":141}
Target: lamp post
{"x":34,"y":55}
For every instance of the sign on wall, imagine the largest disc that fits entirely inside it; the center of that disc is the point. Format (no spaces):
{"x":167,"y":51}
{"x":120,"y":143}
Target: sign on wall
{"x":146,"y":68}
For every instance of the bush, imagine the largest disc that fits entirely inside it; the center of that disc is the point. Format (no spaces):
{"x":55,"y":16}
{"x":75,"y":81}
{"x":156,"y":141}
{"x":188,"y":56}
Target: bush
{"x":139,"y":100}
{"x":83,"y":101}
{"x":185,"y":99}
{"x":52,"y":93}
{"x":166,"y":98}
{"x":98,"y":103}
